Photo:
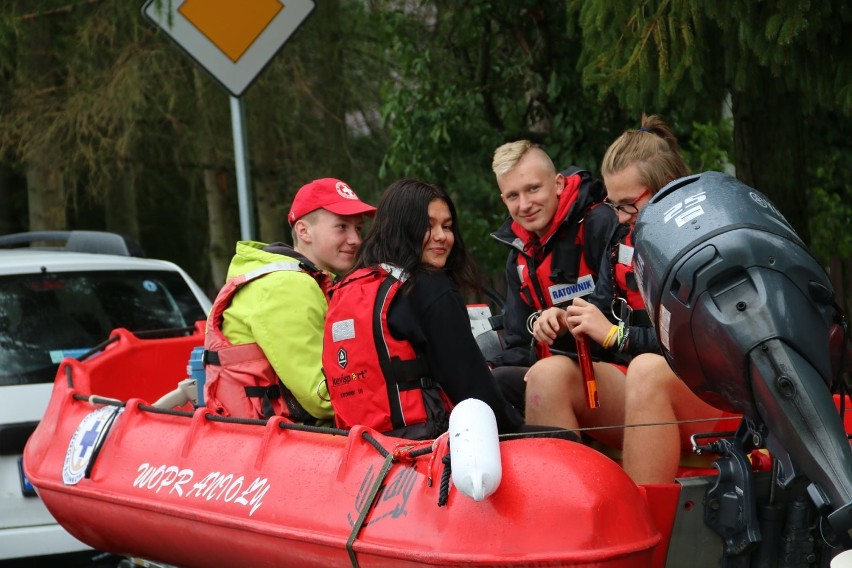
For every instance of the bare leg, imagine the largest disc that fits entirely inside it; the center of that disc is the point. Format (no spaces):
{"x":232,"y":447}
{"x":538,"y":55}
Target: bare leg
{"x":655,"y":394}
{"x":555,"y":398}
{"x":610,"y":382}
{"x":551,"y":389}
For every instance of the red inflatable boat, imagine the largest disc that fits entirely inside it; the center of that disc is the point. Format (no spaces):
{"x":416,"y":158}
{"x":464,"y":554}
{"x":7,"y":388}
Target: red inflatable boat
{"x":187,"y":488}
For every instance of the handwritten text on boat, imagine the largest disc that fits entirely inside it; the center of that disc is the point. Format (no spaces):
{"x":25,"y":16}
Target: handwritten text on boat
{"x":215,"y":486}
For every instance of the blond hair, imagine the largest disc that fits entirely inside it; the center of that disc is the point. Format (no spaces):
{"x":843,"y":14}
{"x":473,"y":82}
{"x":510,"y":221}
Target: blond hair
{"x":654,"y":150}
{"x":507,"y":156}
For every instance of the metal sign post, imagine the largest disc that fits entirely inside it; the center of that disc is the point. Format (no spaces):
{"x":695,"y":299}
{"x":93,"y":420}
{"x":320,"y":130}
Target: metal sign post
{"x":241,"y":160}
{"x":233,"y":42}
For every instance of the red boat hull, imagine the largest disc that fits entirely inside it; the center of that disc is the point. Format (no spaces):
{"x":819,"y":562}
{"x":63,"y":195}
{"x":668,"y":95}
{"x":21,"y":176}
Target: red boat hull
{"x":192,"y":490}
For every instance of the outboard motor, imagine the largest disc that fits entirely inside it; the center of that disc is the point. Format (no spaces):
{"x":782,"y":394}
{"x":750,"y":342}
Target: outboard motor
{"x":743,"y":312}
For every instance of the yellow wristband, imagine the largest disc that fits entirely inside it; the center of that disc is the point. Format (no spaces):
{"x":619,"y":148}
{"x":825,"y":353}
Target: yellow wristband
{"x":609,"y":337}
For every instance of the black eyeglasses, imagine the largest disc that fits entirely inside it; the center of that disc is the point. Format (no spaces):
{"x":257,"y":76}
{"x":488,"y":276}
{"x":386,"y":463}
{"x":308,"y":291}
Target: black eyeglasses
{"x":626,"y":208}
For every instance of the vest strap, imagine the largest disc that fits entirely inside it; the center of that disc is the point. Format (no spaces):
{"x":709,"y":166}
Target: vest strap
{"x":404,"y":371}
{"x":266,"y":394}
{"x":421,"y":383}
{"x":210,"y":358}
{"x":640,"y":318}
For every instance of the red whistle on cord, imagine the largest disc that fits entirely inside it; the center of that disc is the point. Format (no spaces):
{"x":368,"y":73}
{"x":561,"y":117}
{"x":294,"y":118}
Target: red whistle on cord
{"x":587,"y":372}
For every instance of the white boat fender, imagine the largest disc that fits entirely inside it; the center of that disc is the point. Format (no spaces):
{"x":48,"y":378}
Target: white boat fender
{"x":842,"y":560}
{"x":474,"y":449}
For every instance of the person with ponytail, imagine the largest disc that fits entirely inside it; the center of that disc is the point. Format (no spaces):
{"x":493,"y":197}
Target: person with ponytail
{"x":635,"y":167}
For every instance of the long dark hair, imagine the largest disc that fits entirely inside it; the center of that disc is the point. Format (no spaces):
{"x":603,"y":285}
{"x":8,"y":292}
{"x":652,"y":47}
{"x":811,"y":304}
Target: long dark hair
{"x":401,"y":222}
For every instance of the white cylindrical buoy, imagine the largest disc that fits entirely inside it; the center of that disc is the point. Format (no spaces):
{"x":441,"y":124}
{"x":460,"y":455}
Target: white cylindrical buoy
{"x":842,"y":560}
{"x":474,"y":449}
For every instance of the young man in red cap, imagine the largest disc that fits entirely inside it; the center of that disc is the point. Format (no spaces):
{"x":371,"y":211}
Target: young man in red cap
{"x":263,"y":353}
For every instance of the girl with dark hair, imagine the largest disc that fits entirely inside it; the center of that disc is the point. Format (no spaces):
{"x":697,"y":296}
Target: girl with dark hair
{"x":398,"y":352}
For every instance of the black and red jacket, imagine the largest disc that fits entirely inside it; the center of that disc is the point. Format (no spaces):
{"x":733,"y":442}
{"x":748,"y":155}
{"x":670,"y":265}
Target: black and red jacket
{"x":617,"y":287}
{"x":541,"y":272}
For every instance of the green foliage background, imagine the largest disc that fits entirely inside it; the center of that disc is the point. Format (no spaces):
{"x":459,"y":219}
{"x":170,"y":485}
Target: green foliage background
{"x":373,"y":90}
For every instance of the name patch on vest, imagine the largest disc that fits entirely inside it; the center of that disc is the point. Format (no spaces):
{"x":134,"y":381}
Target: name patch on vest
{"x":343,"y":329}
{"x":625,"y":254}
{"x":561,"y":293}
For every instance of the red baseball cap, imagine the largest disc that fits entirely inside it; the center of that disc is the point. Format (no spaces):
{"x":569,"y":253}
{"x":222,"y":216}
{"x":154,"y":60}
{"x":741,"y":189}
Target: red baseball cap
{"x":330,"y":194}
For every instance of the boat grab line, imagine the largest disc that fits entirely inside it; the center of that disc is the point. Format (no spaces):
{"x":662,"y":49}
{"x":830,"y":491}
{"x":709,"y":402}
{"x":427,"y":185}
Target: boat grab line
{"x":371,"y":498}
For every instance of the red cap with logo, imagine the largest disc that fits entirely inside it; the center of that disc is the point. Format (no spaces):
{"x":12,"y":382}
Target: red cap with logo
{"x":330,"y":194}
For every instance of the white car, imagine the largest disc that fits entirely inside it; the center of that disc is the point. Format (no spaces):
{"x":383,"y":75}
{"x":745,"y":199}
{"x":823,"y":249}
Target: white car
{"x":58,"y":302}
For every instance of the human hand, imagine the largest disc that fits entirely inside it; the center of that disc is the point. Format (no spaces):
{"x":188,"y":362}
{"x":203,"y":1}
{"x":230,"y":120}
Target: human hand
{"x":550,"y":325}
{"x":583,"y":317}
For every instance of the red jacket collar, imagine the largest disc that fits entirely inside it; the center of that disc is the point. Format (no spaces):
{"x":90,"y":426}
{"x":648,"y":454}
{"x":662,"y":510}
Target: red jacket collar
{"x":566,"y":201}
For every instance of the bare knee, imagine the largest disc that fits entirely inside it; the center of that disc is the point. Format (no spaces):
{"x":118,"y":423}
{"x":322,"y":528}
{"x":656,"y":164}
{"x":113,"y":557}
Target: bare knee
{"x":648,"y":377}
{"x":552,"y":371}
{"x":551,"y":379}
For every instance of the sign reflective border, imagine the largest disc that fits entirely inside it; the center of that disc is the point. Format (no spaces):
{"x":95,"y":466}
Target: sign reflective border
{"x":233,"y":41}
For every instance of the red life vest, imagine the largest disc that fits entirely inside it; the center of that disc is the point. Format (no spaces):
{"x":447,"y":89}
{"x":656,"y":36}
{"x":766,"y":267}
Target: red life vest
{"x":373,"y":378}
{"x":553,"y":269}
{"x":625,"y":280}
{"x":239,"y":380}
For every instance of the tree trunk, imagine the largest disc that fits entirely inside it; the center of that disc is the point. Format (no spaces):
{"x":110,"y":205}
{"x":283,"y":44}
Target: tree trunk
{"x":43,"y":161}
{"x":332,"y":95}
{"x":120,"y":205}
{"x":768,"y":150}
{"x":221,"y":242}
{"x":271,"y":213}
{"x":8,"y":222}
{"x":45,"y":191}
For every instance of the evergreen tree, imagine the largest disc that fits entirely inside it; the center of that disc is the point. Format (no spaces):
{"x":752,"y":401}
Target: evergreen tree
{"x":784,"y":63}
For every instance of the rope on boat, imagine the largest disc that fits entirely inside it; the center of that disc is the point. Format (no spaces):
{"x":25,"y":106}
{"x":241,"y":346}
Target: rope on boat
{"x":315,"y":429}
{"x":371,"y":498}
{"x":406,"y":451}
{"x":558,"y":433}
{"x":95,"y":400}
{"x":442,"y":439}
{"x":172,"y":411}
{"x":444,"y":488}
{"x":641,"y":424}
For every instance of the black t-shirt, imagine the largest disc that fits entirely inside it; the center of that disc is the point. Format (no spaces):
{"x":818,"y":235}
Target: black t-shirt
{"x":432,"y":315}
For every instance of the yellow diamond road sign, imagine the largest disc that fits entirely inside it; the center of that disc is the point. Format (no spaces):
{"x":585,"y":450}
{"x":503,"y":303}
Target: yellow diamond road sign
{"x":232,"y":39}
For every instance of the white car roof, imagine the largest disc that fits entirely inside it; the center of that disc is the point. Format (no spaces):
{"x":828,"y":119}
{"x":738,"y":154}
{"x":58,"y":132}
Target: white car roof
{"x":18,"y":261}
{"x":33,"y":261}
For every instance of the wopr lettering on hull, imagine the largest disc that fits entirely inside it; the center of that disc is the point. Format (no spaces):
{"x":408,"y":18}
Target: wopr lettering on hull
{"x":215,"y":486}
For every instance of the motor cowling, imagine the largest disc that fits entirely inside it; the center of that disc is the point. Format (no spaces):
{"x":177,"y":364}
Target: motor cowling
{"x":743,"y":311}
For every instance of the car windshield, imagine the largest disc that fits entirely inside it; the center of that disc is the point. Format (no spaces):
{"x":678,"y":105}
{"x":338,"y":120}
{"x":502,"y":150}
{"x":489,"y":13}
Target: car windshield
{"x":45,"y":317}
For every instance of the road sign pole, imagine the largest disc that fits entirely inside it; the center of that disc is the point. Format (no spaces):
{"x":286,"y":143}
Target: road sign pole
{"x":241,"y":160}
{"x":233,"y":44}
